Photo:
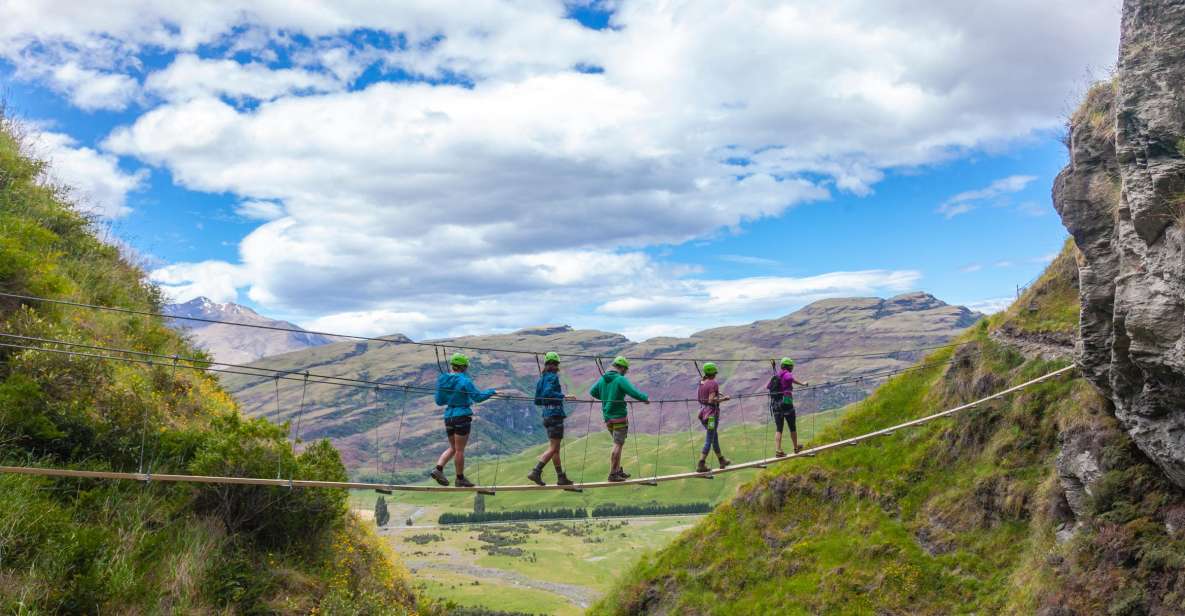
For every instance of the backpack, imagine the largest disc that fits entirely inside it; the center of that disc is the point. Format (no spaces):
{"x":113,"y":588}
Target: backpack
{"x":775,"y":388}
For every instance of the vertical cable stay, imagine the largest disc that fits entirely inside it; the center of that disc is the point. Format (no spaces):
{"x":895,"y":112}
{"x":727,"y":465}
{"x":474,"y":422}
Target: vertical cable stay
{"x":690,"y":439}
{"x":279,"y":458}
{"x":587,"y":438}
{"x":399,"y":433}
{"x":299,"y":418}
{"x":658,"y":439}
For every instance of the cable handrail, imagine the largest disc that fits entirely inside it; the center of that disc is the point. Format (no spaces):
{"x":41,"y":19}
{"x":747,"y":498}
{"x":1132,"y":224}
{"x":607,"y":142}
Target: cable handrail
{"x":453,"y":344}
{"x":651,"y":480}
{"x":341,"y":381}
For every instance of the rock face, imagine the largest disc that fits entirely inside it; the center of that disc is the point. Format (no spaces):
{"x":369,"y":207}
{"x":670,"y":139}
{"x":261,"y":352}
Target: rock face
{"x":238,"y":345}
{"x":1122,"y":197}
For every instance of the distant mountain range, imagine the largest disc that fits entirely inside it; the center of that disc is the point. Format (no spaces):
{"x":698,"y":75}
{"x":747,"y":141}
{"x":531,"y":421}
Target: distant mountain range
{"x":238,"y":345}
{"x":364,"y":427}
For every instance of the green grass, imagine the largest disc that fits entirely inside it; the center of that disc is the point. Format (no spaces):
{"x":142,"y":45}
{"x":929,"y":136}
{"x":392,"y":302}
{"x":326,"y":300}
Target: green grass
{"x":74,"y":546}
{"x":839,"y":533}
{"x":1050,"y":304}
{"x":956,"y":516}
{"x":676,"y":453}
{"x":559,"y":557}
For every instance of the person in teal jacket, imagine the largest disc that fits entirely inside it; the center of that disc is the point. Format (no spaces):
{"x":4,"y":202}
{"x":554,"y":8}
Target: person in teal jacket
{"x":611,"y":390}
{"x":549,"y":397}
{"x":456,"y":392}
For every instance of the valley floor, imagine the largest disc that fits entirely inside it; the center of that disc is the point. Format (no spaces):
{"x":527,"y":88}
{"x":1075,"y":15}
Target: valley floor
{"x":559,"y":567}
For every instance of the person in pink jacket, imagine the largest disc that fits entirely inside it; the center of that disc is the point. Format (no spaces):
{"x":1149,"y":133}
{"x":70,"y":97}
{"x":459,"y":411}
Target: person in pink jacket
{"x":783,"y":412}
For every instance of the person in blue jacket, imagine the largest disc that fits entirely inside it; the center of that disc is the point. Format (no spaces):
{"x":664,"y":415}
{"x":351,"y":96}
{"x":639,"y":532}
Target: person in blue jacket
{"x":549,"y":397}
{"x":456,"y":392}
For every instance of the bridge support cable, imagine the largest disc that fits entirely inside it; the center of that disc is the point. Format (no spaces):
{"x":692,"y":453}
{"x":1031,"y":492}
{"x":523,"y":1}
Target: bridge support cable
{"x":587,"y":438}
{"x":279,"y":457}
{"x":304,"y":390}
{"x":74,"y":304}
{"x":658,"y":439}
{"x":399,"y":433}
{"x":302,"y":483}
{"x":339,"y":381}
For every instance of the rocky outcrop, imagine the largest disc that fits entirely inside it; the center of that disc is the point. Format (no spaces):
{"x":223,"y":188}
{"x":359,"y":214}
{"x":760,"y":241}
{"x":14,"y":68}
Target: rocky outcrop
{"x":1122,"y":197}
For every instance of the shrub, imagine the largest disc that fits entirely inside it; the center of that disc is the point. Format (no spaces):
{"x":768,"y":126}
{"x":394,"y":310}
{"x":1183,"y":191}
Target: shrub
{"x":273,"y":516}
{"x":381,"y":515}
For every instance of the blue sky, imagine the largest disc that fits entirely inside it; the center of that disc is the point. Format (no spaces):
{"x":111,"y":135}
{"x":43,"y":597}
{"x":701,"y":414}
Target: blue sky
{"x":439,"y":170}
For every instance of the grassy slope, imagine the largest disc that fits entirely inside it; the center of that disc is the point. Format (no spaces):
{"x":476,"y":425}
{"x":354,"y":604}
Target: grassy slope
{"x":69,"y":546}
{"x":675,"y":455}
{"x":955,"y":516}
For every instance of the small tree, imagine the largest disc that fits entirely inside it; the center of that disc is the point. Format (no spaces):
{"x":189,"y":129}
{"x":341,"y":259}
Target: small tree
{"x":381,"y":515}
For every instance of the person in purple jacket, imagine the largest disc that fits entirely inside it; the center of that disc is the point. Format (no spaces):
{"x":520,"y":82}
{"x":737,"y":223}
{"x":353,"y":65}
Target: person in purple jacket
{"x":784,"y":412}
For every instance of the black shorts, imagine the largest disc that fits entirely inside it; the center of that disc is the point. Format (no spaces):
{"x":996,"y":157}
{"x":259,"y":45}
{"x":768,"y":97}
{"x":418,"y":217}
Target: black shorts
{"x":458,"y":425}
{"x":554,"y":426}
{"x":784,"y":414}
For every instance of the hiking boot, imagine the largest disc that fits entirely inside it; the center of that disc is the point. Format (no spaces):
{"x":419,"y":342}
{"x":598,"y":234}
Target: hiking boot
{"x":702,"y":467}
{"x":779,"y":454}
{"x":797,"y":448}
{"x":536,"y":477}
{"x":624,"y":475}
{"x":464,"y":483}
{"x":617,"y":476}
{"x":562,"y":480}
{"x":438,"y":475}
{"x":724,"y":462}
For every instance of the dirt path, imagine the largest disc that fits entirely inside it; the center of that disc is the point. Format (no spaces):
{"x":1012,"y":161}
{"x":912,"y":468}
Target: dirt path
{"x":577,"y":595}
{"x":1043,"y":346}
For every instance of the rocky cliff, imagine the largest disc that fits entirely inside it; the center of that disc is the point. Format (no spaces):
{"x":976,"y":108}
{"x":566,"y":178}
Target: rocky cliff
{"x":1122,"y":197}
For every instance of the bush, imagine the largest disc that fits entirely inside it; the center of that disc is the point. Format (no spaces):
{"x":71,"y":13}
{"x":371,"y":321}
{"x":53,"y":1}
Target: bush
{"x":381,"y":515}
{"x":272,"y":516}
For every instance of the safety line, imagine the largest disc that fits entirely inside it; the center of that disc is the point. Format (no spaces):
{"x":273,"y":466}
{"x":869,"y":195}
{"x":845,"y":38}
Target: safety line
{"x":341,"y":381}
{"x":439,"y":345}
{"x":309,"y":483}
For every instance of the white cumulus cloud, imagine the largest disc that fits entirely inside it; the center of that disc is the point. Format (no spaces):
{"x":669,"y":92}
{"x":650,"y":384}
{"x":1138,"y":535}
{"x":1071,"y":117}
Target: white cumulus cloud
{"x":97,"y":184}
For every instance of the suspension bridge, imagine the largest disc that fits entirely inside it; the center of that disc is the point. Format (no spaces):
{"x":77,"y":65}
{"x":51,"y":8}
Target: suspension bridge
{"x":105,"y":353}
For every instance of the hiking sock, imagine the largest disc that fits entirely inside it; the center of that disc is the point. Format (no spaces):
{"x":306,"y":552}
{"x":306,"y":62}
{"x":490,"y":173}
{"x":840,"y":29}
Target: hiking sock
{"x":559,"y":470}
{"x":440,"y":468}
{"x":539,"y":467}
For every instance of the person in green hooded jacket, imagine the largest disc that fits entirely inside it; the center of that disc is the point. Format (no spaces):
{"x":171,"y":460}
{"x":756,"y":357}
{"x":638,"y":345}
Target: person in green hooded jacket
{"x":611,"y":389}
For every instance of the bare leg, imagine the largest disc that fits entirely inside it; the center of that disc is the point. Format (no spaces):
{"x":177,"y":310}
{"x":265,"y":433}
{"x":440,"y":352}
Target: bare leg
{"x":794,"y":438}
{"x":553,"y":449}
{"x":553,"y":453}
{"x":459,"y":462}
{"x":778,"y":441}
{"x":615,"y":458}
{"x":448,"y":453}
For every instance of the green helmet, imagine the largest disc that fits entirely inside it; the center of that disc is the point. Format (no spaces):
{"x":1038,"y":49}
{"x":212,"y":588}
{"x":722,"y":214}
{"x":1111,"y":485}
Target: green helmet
{"x":459,"y":360}
{"x":551,"y":356}
{"x":709,"y":368}
{"x":787,"y":362}
{"x":621,"y":362}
